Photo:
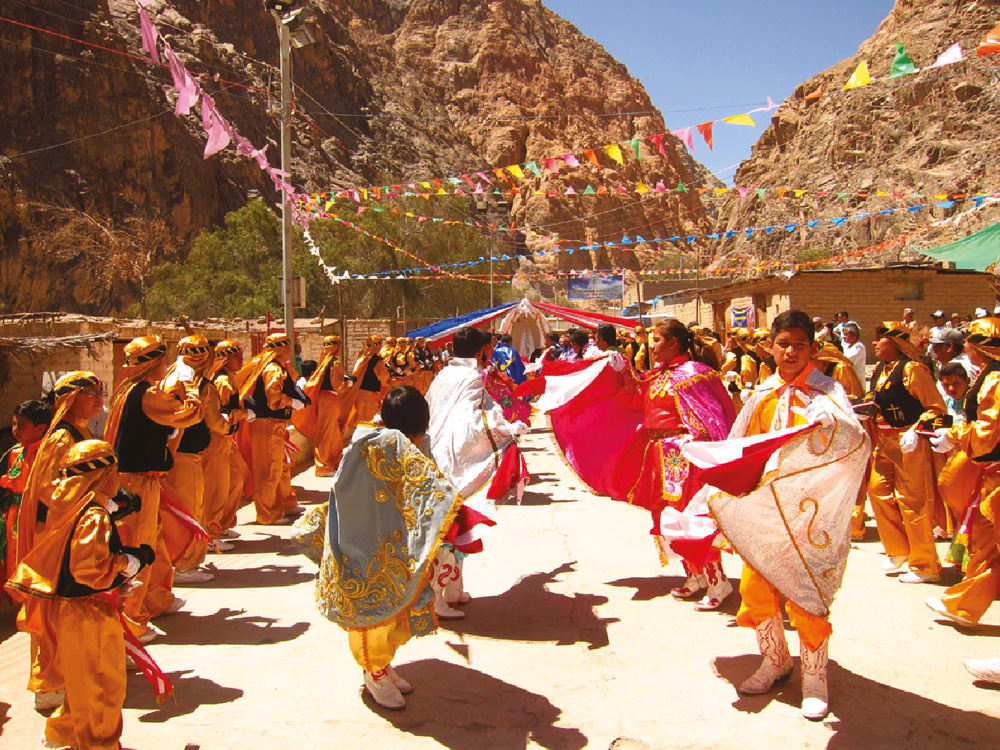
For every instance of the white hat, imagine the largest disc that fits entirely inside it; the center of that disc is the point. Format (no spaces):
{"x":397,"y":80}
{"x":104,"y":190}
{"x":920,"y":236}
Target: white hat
{"x":996,"y":310}
{"x":937,"y":314}
{"x":980,"y":312}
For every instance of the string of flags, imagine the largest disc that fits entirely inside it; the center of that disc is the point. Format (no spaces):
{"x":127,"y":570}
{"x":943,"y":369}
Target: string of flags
{"x":310,"y":201}
{"x":475,"y":182}
{"x":219,"y":130}
{"x":630,"y":244}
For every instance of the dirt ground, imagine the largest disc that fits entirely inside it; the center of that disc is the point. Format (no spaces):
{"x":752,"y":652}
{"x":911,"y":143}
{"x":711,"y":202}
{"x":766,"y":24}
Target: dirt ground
{"x":571,"y":640}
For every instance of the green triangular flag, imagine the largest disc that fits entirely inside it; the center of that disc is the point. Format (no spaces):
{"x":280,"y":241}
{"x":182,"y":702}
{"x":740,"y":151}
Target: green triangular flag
{"x":635,"y":147}
{"x":590,"y":190}
{"x":681,"y":188}
{"x":902,"y":65}
{"x":534,"y":168}
{"x":761,"y":192}
{"x":842,"y":195}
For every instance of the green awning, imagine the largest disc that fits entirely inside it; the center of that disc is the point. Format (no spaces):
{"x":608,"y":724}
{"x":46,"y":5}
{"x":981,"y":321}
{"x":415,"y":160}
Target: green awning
{"x":974,"y":252}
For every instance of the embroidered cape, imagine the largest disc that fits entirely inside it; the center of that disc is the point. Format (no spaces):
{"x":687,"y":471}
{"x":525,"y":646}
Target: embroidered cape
{"x":390,"y":508}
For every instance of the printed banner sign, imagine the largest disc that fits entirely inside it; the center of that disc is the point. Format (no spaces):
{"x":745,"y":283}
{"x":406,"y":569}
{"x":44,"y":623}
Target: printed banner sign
{"x":595,"y":287}
{"x":743,"y":317}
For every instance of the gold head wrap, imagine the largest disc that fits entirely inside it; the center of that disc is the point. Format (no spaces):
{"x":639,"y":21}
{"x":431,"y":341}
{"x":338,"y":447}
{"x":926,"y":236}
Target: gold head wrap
{"x":223,"y":351}
{"x":65,"y":390}
{"x":86,"y":468}
{"x":899,"y":334}
{"x":331,"y":340}
{"x":984,"y":335}
{"x":197,"y":352}
{"x":246,"y":378}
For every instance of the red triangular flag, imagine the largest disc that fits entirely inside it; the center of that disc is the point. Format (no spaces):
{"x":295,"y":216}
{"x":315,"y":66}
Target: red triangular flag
{"x":706,"y":132}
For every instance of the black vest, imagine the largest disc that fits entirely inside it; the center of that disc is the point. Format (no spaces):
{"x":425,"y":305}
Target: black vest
{"x":260,"y":398}
{"x":67,"y":586}
{"x":370,"y":381}
{"x":898,"y":407}
{"x":141,"y":444}
{"x":196,"y":437}
{"x":972,"y":409}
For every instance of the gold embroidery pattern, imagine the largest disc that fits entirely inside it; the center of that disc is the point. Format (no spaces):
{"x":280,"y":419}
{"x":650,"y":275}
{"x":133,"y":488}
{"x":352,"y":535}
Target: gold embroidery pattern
{"x":824,"y":536}
{"x":342,"y":589}
{"x":402,"y":478}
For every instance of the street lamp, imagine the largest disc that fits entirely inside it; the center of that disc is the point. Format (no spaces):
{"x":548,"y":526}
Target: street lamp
{"x":289,"y":21}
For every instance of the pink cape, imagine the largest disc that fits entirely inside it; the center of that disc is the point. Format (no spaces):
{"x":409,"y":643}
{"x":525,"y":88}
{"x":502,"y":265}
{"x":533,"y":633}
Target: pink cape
{"x":602,"y":437}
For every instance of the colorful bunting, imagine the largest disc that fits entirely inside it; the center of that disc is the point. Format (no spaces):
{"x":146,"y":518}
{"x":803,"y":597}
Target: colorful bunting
{"x":902,"y":65}
{"x":951,"y":55}
{"x":740,"y":120}
{"x":684,"y":134}
{"x":859,"y":78}
{"x":615,"y":152}
{"x":706,"y":132}
{"x":990,"y":43}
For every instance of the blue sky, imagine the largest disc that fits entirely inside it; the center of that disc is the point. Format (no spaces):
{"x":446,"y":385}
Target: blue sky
{"x":707,"y":59}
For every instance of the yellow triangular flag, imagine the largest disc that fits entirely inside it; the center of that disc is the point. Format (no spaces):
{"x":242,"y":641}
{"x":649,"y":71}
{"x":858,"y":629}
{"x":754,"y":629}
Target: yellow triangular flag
{"x":720,"y":191}
{"x":740,"y":120}
{"x":615,"y":152}
{"x":881,"y":193}
{"x":859,"y":77}
{"x":516,"y":171}
{"x":640,"y":188}
{"x":799,"y":193}
{"x":425,"y":184}
{"x":328,"y":206}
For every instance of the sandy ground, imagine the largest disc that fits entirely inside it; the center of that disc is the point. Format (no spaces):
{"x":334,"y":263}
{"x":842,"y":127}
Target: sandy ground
{"x":571,"y":640}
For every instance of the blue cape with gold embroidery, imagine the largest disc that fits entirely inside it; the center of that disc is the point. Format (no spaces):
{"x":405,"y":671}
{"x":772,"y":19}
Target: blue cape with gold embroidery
{"x":390,"y":507}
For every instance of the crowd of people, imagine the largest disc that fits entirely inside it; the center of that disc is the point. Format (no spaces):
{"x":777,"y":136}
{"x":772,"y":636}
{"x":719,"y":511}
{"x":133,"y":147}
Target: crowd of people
{"x":96,"y":533}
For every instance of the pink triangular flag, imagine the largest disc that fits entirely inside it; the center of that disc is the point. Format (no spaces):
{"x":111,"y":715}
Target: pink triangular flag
{"x":660,"y":187}
{"x":479,"y":189}
{"x":571,"y":160}
{"x":685,"y":135}
{"x":570,"y":190}
{"x":149,"y":35}
{"x":951,"y":55}
{"x":743,"y":192}
{"x":486,"y":179}
{"x":219,"y":136}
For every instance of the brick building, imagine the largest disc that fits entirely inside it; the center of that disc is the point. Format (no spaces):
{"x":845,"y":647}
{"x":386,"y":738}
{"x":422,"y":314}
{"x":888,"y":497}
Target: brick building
{"x":869,"y":296}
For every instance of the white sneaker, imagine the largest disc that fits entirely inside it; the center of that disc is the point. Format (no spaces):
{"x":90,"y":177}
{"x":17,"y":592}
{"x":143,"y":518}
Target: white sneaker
{"x":894,"y":565}
{"x":230,"y":534}
{"x":152,"y":632}
{"x":46,"y":742}
{"x":218,"y":545}
{"x":401,"y":685}
{"x":192,"y":575}
{"x":380,"y":686}
{"x":984,"y":669}
{"x":914,"y":577}
{"x":51,"y":699}
{"x":938,"y":607}
{"x":175,"y":605}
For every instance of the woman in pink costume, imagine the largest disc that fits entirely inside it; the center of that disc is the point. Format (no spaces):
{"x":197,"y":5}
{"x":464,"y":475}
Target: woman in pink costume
{"x":683,"y":399}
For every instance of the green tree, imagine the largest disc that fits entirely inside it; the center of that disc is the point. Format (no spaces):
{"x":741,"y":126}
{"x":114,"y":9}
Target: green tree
{"x":232,"y":270}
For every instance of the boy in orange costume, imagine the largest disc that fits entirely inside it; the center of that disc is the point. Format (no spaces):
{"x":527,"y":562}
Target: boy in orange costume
{"x":74,"y":568}
{"x":793,"y":530}
{"x":269,"y":380}
{"x":223,"y":464}
{"x":79,"y":397}
{"x":141,"y":418}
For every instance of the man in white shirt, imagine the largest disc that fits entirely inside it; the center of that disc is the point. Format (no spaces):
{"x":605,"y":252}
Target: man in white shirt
{"x":938,"y":329}
{"x":949,"y":346}
{"x":854,"y":349}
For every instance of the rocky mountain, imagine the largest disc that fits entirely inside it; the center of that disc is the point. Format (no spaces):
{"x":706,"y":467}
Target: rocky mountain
{"x":932,"y":133}
{"x":393,"y":91}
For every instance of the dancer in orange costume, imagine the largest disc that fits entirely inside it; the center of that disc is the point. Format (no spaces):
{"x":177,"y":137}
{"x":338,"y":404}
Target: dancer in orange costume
{"x":74,"y":568}
{"x":373,"y":381}
{"x":269,"y":379}
{"x":79,"y":397}
{"x":223,"y":464}
{"x":141,"y":418}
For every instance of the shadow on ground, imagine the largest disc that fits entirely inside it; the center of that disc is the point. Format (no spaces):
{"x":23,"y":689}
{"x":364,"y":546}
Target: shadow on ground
{"x":531,"y":498}
{"x":227,"y":626}
{"x":189,"y":694}
{"x":462,"y":708}
{"x":654,"y":587}
{"x":259,"y":542}
{"x":265,"y":576}
{"x":4,"y":714}
{"x":866,"y":713}
{"x":528,"y":611}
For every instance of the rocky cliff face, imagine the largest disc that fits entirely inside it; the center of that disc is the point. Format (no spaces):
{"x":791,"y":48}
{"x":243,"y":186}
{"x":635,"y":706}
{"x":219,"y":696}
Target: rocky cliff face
{"x":394,"y":91}
{"x":932,"y":133}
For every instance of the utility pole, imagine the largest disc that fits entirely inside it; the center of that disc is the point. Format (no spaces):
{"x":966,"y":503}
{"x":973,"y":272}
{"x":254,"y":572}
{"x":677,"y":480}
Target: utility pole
{"x":284,"y":41}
